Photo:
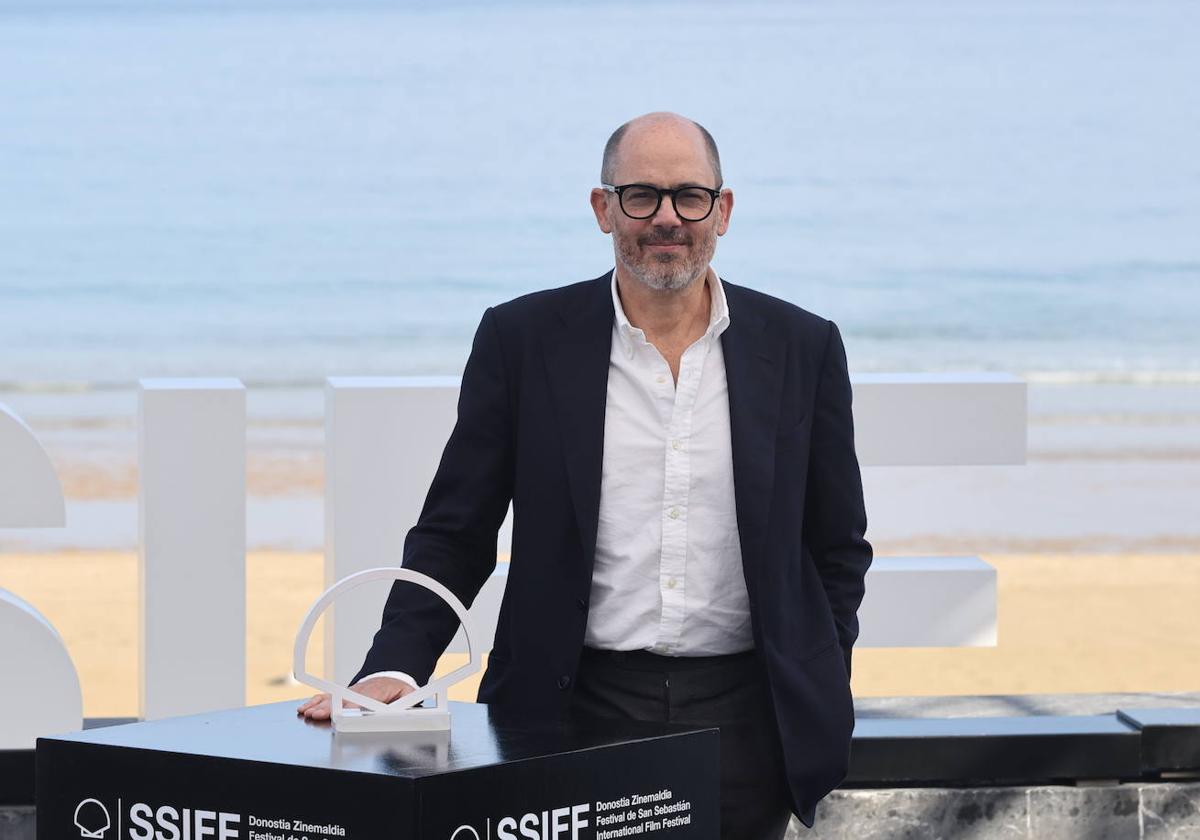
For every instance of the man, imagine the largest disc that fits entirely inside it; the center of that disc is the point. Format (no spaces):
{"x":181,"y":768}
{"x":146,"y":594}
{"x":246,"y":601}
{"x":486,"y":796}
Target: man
{"x":688,"y":534}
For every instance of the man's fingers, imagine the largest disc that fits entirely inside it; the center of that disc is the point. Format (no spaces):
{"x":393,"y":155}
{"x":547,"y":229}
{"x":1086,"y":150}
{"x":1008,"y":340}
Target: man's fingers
{"x":321,"y":711}
{"x":315,"y":706}
{"x":383,"y":689}
{"x":321,"y":707}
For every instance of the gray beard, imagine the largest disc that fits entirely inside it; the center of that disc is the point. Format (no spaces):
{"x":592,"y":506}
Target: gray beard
{"x":664,"y":275}
{"x":663,"y":278}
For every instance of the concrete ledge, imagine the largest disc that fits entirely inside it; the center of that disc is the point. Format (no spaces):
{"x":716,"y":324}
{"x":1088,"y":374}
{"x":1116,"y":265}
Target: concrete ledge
{"x":994,"y":751}
{"x":17,"y":823}
{"x":1114,"y":812}
{"x":985,"y":705}
{"x":1156,"y":810}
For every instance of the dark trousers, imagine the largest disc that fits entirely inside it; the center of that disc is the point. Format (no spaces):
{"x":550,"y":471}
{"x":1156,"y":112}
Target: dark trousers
{"x":729,"y":692}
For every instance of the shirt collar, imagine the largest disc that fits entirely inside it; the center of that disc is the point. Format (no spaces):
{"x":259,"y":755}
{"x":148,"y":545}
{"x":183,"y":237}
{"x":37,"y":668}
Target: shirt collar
{"x":718,"y":319}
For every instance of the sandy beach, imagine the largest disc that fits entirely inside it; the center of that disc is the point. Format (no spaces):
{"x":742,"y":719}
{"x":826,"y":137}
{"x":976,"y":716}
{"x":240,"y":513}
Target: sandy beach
{"x":1068,"y":623}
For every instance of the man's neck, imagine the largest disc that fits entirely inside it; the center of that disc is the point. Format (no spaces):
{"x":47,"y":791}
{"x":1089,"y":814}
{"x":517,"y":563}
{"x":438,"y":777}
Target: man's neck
{"x":674,"y":317}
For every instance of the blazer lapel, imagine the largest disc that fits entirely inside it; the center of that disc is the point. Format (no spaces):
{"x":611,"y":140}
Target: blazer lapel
{"x":577,"y":357}
{"x":754,"y":362}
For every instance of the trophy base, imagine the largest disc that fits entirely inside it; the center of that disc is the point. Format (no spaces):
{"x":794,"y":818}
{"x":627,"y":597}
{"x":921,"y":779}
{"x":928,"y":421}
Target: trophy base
{"x":411,"y":720}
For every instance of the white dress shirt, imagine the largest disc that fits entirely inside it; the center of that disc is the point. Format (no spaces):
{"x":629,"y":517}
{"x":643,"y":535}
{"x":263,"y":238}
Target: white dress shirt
{"x":668,"y":568}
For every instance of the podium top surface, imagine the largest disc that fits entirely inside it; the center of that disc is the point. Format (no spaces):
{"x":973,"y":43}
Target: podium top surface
{"x":274,"y":733}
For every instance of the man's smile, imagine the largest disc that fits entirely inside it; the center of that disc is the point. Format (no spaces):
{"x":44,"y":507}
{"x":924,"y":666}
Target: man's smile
{"x":666,"y":243}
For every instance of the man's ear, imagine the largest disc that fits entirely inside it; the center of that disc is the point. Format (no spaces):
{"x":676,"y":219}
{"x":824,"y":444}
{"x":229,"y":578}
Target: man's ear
{"x":725,"y":209}
{"x":599,"y":200}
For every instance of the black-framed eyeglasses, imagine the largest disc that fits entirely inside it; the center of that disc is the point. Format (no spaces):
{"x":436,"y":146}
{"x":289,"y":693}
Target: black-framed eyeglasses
{"x":641,"y":201}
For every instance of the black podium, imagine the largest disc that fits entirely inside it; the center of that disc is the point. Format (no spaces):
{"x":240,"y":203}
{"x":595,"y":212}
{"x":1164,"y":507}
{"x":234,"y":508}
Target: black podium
{"x":262,"y":773}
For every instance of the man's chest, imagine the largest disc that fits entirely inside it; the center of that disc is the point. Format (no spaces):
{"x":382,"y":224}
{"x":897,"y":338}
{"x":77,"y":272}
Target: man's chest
{"x":659,"y":432}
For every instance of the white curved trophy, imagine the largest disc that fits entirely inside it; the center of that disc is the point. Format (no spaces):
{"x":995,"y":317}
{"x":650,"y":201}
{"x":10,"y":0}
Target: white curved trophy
{"x":32,"y":652}
{"x":402,"y":714}
{"x":30,"y":493}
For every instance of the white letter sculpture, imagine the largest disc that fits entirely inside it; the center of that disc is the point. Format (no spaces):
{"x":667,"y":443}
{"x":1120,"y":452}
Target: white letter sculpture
{"x":191,"y":546}
{"x":402,"y":714}
{"x":31,"y":651}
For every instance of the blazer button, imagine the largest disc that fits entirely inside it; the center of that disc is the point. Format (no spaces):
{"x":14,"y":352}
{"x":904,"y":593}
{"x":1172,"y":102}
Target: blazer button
{"x":564,"y":681}
{"x":582,"y":604}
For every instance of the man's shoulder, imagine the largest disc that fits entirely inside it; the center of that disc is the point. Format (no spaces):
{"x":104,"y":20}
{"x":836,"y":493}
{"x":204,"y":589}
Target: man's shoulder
{"x":775,"y":311}
{"x":536,"y":306}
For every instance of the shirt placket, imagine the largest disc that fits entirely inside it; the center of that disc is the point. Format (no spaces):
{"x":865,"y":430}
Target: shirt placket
{"x":676,"y":501}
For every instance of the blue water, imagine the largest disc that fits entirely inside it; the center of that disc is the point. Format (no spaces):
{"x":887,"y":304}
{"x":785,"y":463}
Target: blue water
{"x":283,"y":192}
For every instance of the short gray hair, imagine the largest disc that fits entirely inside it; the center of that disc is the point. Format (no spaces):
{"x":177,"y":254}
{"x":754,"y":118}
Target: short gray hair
{"x":609,"y":163}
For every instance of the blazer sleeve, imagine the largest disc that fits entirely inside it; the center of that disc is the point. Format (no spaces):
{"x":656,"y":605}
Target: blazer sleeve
{"x":454,"y":539}
{"x":835,"y":518}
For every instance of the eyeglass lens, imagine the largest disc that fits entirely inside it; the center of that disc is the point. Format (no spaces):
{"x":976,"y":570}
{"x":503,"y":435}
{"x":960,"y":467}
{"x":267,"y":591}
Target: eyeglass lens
{"x":691,"y":204}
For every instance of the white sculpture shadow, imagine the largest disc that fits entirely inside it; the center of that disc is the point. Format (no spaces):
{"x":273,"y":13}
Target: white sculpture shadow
{"x":403,"y":714}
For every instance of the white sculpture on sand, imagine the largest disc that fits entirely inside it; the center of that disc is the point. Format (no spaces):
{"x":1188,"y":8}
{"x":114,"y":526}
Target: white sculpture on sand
{"x":191,"y":545}
{"x":42,"y":693}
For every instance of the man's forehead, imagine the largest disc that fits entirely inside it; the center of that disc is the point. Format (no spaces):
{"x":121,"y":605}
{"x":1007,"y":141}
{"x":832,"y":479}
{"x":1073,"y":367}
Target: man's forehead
{"x":664,"y":151}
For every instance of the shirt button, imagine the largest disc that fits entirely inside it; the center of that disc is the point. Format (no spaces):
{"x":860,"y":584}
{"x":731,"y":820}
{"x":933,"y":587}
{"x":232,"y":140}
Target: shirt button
{"x":564,"y":681}
{"x":674,"y":513}
{"x":660,"y":379}
{"x":676,"y":445}
{"x":671,"y":583}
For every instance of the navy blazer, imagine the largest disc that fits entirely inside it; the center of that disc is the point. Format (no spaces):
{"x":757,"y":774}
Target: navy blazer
{"x":530,"y":429}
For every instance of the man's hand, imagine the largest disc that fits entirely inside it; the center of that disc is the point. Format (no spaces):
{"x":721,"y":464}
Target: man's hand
{"x":383,"y":689}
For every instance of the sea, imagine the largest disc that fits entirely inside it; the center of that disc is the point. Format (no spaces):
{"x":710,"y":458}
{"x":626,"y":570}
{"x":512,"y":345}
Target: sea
{"x":286,"y":191}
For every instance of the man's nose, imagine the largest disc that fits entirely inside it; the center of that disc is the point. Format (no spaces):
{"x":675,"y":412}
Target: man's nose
{"x":666,"y":215}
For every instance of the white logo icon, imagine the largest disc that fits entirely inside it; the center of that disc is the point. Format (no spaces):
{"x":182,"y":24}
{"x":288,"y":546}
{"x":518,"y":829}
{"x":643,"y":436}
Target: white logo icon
{"x":91,"y":818}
